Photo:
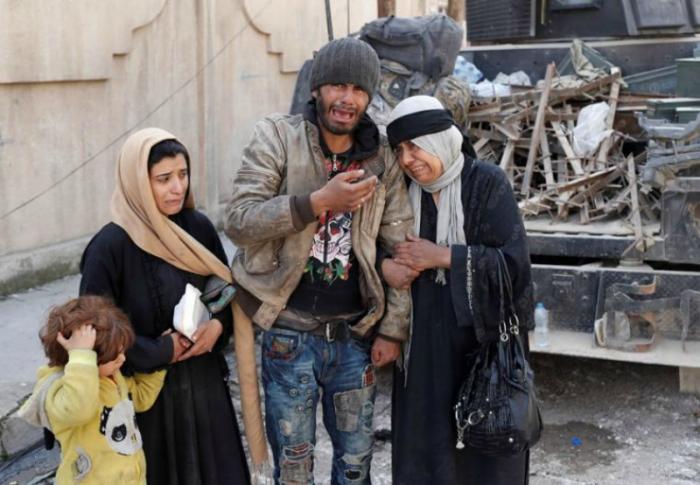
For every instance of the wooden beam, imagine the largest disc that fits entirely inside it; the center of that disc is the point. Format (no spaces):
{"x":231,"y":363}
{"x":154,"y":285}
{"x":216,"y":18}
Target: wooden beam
{"x":511,"y":131}
{"x":481,"y":143}
{"x":602,"y":158}
{"x":506,"y":163}
{"x":564,"y":142}
{"x":537,"y":131}
{"x":547,"y":161}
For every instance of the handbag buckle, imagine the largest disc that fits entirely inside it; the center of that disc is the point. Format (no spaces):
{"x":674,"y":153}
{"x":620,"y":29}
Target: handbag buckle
{"x":514,"y":325}
{"x":475,"y":417}
{"x":503,"y":331}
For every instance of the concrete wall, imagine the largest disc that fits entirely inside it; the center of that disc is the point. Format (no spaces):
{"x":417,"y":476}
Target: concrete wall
{"x":76,"y":78}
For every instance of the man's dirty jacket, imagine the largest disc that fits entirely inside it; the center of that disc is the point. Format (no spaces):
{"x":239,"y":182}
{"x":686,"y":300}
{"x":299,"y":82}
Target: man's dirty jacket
{"x":282,"y":165}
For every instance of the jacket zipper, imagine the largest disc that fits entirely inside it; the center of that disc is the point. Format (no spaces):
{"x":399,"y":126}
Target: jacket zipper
{"x":334,"y":171}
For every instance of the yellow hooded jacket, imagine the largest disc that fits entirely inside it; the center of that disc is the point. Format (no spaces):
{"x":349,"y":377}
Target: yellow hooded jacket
{"x":93,"y":419}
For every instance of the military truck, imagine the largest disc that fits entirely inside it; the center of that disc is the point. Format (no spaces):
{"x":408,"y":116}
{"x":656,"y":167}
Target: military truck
{"x":607,"y":298}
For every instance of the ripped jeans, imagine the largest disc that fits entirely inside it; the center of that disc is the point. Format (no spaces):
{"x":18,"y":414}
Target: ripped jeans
{"x":296,"y":366}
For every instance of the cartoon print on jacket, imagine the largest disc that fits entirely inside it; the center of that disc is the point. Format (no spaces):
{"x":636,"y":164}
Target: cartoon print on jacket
{"x":118,"y":425}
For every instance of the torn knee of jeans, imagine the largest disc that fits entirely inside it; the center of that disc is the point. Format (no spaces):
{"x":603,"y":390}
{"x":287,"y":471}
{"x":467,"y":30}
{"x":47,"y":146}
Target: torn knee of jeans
{"x":296,"y":465}
{"x":356,"y":466}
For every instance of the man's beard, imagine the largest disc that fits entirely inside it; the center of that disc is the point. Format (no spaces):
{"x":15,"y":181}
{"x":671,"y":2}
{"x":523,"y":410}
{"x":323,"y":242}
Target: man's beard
{"x":323,"y":112}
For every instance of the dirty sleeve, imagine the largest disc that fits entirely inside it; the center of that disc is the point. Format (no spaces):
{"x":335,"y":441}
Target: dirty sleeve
{"x":257,"y":212}
{"x":397,"y":221}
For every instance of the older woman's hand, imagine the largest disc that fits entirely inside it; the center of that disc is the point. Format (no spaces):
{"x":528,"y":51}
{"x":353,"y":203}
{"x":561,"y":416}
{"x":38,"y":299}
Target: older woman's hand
{"x":204,"y":338}
{"x":421,"y":254}
{"x":180,"y":343}
{"x":398,"y":275}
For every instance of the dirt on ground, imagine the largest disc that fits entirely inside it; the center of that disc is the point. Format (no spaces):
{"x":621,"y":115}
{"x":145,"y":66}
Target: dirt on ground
{"x":605,"y":423}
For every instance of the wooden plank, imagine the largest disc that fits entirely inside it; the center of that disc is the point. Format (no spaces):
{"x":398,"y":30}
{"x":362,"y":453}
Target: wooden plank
{"x":490,"y":134}
{"x":566,"y":93}
{"x":512,"y":132}
{"x":606,"y":145}
{"x":523,"y":113}
{"x":507,"y":160}
{"x":564,"y":142}
{"x":481,"y":142}
{"x":486,"y":108}
{"x":537,"y":131}
{"x":562,"y":192}
{"x":570,"y":123}
{"x":547,"y":161}
{"x":556,"y":116}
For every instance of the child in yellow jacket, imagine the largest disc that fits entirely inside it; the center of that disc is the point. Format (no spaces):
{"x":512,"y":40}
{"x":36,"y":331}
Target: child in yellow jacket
{"x":83,"y":398}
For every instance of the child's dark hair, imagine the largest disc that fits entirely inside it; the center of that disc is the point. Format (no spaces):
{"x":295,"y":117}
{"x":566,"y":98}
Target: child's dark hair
{"x":113,"y":329}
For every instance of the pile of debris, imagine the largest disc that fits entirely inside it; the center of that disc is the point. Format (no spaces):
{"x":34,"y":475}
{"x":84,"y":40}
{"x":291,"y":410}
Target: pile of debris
{"x":560,"y":147}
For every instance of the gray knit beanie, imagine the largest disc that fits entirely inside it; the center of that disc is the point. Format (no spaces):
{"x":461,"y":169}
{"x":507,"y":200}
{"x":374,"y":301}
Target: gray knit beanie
{"x":346,"y":61}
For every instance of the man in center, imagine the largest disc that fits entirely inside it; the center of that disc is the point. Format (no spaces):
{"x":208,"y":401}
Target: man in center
{"x":318,"y":195}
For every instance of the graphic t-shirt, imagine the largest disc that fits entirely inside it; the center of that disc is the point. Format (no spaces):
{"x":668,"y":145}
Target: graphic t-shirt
{"x":330,"y":284}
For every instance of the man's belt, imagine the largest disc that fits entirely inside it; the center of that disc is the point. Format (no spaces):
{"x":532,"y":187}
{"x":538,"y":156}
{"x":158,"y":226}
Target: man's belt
{"x":337,"y":330}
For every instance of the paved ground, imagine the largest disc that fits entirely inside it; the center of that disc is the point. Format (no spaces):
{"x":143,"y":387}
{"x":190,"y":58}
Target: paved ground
{"x":605,"y":422}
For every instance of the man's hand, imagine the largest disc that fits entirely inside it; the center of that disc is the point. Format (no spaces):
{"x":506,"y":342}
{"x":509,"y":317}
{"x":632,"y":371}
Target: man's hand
{"x":398,"y":275}
{"x":343,"y":193}
{"x":81,"y":338}
{"x":384,"y":351}
{"x":204,"y":338}
{"x":421,"y":254}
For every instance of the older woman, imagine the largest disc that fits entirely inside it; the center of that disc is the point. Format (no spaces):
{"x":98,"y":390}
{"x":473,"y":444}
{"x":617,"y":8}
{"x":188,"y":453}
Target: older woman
{"x":464,"y":210}
{"x":155,"y":245}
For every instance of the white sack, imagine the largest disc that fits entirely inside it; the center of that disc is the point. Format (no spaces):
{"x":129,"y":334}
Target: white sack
{"x":590,"y":129}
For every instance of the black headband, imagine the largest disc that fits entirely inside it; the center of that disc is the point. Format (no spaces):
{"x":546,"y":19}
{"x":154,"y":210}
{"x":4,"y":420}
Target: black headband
{"x":418,"y":124}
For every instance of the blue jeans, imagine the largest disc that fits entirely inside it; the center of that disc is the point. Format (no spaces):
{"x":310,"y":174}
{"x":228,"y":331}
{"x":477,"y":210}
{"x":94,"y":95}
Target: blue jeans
{"x":296,"y":366}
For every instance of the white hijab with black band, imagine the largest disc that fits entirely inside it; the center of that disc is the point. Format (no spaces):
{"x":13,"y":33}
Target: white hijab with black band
{"x":424,"y":121}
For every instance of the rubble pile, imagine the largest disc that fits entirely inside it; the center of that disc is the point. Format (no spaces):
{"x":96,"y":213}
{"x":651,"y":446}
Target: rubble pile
{"x":560,"y":147}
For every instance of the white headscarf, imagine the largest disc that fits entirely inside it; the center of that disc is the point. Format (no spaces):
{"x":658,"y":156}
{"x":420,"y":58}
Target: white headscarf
{"x":447,"y":147}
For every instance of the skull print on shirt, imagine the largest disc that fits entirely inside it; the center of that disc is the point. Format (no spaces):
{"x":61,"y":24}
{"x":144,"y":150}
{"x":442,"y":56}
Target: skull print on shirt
{"x":331,"y":255}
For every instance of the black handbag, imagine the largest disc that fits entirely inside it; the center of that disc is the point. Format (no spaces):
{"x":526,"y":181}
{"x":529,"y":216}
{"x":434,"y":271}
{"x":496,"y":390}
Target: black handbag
{"x":497,"y":411}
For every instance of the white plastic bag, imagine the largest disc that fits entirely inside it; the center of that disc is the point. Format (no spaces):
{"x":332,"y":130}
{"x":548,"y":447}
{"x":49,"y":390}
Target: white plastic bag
{"x":466,"y":71}
{"x":590,"y":129}
{"x":518,"y":78}
{"x":189,"y":312}
{"x":487,"y":89}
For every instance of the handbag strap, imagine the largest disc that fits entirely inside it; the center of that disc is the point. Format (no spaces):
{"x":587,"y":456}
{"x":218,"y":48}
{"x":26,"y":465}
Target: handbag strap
{"x":502,"y":325}
{"x":508,"y":315}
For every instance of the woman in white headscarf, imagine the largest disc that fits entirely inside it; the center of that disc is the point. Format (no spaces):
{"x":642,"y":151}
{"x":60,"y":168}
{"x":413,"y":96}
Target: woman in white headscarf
{"x":464,"y":211}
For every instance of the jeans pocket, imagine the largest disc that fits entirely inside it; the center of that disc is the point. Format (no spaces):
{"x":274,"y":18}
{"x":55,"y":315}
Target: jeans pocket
{"x":364,"y":345}
{"x":281,"y":345}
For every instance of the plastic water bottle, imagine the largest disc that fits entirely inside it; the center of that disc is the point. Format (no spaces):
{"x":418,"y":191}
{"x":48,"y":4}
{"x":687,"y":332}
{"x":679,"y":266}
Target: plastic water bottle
{"x":541,"y":326}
